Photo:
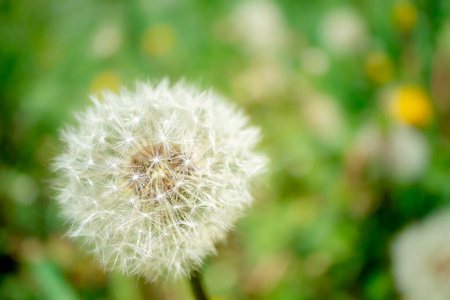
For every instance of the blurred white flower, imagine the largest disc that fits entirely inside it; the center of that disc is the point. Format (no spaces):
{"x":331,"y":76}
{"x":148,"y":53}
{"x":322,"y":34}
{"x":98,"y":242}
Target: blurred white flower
{"x":324,"y":118}
{"x":402,"y":152}
{"x":344,"y":31}
{"x":421,"y":259}
{"x":408,"y":153}
{"x":107,"y":40}
{"x":262,"y":80}
{"x":259,"y":25}
{"x":150,"y":180}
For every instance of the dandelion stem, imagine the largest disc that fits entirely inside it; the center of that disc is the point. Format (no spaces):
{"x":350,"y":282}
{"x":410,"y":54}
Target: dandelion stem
{"x":197,"y":286}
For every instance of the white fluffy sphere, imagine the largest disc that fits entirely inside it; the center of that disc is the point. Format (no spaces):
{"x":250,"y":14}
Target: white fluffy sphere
{"x":343,"y":31}
{"x":421,"y":259}
{"x":151,"y":179}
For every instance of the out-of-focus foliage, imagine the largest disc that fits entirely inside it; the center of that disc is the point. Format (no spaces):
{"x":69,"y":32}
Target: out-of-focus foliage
{"x":352,"y":98}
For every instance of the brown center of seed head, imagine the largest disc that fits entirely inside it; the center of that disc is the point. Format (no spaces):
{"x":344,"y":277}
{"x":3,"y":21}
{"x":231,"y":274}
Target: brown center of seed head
{"x":442,"y":266}
{"x":155,"y":168}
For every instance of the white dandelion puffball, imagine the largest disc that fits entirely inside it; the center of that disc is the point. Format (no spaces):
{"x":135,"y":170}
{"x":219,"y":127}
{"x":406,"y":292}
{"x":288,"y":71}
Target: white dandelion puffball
{"x":421,"y":259}
{"x":150,"y":180}
{"x":259,"y":26}
{"x":403,"y":152}
{"x":408,"y":154}
{"x":343,"y":31}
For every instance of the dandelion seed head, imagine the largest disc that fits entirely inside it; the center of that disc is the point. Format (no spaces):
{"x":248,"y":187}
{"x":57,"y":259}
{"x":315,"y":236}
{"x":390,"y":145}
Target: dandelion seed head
{"x":151,"y":179}
{"x":421,"y":258}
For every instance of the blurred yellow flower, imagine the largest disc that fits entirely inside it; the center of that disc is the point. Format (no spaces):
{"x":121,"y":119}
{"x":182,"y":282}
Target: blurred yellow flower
{"x":379,"y":67}
{"x":404,"y":15}
{"x":412,"y":105}
{"x":105,"y":81}
{"x":158,"y":40}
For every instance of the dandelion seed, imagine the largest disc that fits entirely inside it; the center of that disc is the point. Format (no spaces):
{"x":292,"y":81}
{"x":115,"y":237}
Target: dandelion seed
{"x":152,"y":179}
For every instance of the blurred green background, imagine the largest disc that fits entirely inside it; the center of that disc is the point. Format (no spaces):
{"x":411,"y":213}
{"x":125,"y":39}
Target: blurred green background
{"x":352,"y":98}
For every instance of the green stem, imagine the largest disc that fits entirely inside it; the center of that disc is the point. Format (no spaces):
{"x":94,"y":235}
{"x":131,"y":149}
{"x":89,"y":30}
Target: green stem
{"x":197,"y":287}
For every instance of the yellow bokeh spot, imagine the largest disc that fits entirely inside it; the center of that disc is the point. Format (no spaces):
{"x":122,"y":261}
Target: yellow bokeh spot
{"x":379,"y":67}
{"x":412,"y":105}
{"x":158,"y":40}
{"x":404,"y":15}
{"x":105,"y":81}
